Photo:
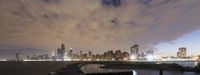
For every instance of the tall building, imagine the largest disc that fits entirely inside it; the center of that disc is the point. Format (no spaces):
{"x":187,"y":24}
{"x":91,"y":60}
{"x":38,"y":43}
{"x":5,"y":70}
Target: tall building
{"x":178,"y":54}
{"x":131,"y":52}
{"x":70,"y":53}
{"x":181,"y":53}
{"x":62,"y":46}
{"x":81,"y":53}
{"x":17,"y":56}
{"x":117,"y":54}
{"x":61,"y":52}
{"x":90,"y":54}
{"x":53,"y":55}
{"x":135,"y":49}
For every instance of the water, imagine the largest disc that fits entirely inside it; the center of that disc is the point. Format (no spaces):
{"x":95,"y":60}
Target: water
{"x":94,"y":68}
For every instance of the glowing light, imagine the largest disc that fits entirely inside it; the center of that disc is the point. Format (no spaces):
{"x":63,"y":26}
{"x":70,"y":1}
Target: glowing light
{"x":97,"y":59}
{"x":3,"y":60}
{"x":196,"y":58}
{"x":134,"y":72}
{"x":89,"y":59}
{"x":66,"y":58}
{"x":150,"y":57}
{"x":132,"y":57}
{"x":125,"y":59}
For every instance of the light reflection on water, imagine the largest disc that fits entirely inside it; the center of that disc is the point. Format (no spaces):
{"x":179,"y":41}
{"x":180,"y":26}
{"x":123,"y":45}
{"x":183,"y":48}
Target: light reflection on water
{"x":94,"y":68}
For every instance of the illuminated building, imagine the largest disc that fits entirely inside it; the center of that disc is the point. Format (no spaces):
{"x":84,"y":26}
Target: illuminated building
{"x":53,"y":55}
{"x":81,"y":55}
{"x":70,"y":53}
{"x":135,"y":51}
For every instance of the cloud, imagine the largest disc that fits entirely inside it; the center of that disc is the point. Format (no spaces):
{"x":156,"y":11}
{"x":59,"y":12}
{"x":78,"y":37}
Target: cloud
{"x":95,"y":24}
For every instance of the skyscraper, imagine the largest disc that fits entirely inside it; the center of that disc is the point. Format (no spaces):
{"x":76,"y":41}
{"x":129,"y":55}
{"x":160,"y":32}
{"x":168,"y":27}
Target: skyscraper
{"x":17,"y":56}
{"x":70,"y":53}
{"x":81,"y":53}
{"x":62,"y":46}
{"x":181,"y":53}
{"x":135,"y":49}
{"x":131,"y":50}
{"x":61,"y":52}
{"x":90,"y":54}
{"x":178,"y":54}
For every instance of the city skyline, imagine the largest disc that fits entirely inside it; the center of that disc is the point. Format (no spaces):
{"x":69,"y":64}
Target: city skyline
{"x":34,"y":26}
{"x":135,"y":54}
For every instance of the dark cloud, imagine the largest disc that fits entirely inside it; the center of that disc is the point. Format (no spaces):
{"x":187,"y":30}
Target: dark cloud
{"x":156,"y":3}
{"x":86,"y":24}
{"x":146,"y":2}
{"x":115,"y":3}
{"x":49,"y":1}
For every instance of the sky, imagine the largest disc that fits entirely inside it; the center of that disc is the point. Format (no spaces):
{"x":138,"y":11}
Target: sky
{"x":190,"y":40}
{"x":36,"y":26}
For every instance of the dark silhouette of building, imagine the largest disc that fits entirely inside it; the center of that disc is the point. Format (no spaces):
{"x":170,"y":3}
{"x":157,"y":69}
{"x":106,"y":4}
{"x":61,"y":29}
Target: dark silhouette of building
{"x":181,"y":53}
{"x":61,"y":52}
{"x":62,"y":46}
{"x":89,"y":54}
{"x":118,"y":55}
{"x":70,"y":53}
{"x":17,"y":56}
{"x":135,"y":49}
